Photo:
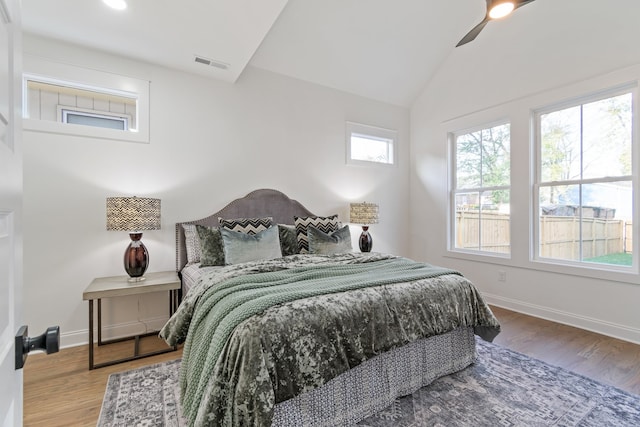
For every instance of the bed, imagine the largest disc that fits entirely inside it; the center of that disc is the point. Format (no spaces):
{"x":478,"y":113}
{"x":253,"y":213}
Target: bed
{"x":326,"y":337}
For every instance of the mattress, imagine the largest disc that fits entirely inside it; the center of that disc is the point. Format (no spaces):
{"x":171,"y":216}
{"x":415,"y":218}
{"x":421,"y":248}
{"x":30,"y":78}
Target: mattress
{"x":191,"y":274}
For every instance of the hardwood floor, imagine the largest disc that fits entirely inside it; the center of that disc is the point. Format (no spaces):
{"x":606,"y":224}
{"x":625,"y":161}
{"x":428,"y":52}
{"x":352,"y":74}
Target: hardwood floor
{"x":59,"y":390}
{"x":608,"y":360}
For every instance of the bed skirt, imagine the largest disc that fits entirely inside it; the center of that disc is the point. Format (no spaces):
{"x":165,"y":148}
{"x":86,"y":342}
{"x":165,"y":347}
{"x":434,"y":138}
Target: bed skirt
{"x":376,"y":383}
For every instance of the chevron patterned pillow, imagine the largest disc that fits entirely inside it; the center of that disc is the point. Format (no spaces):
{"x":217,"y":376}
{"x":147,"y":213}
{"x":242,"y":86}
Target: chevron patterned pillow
{"x":246,"y":225}
{"x":326,"y":224}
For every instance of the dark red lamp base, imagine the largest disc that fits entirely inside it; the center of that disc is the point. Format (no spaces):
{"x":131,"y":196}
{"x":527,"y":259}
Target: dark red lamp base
{"x":366,"y":242}
{"x":136,"y":258}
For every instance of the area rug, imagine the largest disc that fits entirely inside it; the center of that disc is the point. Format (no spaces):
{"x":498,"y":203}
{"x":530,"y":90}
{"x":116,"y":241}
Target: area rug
{"x":503,"y":388}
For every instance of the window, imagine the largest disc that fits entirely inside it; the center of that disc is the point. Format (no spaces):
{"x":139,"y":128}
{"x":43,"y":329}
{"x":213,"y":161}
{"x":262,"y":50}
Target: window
{"x":481,"y":187}
{"x":64,"y":102}
{"x":584,"y":183}
{"x":71,"y":100}
{"x":369,"y":144}
{"x":93,"y":118}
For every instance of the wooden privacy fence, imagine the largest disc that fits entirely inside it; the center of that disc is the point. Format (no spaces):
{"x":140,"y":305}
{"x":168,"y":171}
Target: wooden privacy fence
{"x":559,"y":235}
{"x":628,"y":237}
{"x":494,"y":226}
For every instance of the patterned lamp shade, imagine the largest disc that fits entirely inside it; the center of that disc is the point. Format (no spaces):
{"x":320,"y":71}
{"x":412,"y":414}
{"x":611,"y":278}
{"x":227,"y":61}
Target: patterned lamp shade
{"x":363,"y":213}
{"x":133,"y":213}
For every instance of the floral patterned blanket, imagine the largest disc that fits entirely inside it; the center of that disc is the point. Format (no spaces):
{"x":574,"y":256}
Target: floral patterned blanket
{"x":259,"y":333}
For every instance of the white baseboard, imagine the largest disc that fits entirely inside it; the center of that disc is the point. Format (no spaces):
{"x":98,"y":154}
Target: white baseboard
{"x":81,"y":337}
{"x":583,"y":322}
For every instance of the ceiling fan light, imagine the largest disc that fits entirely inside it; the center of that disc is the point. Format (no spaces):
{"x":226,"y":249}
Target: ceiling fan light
{"x":501,"y":9}
{"x":116,"y":4}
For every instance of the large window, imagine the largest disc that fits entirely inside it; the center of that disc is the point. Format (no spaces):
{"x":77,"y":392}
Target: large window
{"x":584,"y":182}
{"x":481,"y":190}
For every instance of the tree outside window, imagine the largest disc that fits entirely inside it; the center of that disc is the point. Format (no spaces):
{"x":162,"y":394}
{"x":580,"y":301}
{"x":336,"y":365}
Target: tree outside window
{"x":585,"y":184}
{"x":482,"y":190}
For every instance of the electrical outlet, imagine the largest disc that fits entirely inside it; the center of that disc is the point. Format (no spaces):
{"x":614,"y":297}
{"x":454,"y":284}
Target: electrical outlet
{"x":502,"y":276}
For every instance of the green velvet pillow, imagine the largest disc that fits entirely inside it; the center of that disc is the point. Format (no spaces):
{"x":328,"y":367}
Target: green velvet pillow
{"x":212,"y":252}
{"x":241,"y":247}
{"x":288,"y":239}
{"x":322,"y":243}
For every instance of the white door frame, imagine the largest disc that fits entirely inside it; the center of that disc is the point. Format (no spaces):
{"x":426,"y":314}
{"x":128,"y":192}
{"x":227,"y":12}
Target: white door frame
{"x":11,"y":396}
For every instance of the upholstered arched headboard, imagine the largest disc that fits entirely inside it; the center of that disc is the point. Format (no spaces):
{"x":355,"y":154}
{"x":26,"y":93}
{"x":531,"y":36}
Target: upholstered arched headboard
{"x":257,"y":204}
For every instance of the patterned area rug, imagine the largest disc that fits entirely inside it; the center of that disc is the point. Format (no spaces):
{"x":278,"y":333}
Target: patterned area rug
{"x":503,"y":388}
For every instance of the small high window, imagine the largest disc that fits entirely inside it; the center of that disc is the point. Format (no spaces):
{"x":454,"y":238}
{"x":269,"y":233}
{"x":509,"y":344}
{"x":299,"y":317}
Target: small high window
{"x":93,"y":118}
{"x":71,"y":100}
{"x":369,"y":144}
{"x":64,"y":103}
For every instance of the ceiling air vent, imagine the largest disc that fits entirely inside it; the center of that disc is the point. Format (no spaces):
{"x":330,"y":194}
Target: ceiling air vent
{"x":211,"y":62}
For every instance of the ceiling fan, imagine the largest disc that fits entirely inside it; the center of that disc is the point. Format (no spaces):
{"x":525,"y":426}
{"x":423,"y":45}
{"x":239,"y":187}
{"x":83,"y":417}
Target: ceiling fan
{"x":496,"y":9}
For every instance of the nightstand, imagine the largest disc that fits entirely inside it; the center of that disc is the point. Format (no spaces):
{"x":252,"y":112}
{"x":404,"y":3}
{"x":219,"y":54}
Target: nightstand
{"x":118,"y":286}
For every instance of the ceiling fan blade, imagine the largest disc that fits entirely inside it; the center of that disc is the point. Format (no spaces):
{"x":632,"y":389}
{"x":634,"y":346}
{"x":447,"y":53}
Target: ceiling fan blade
{"x":471,"y":35}
{"x":523,"y":3}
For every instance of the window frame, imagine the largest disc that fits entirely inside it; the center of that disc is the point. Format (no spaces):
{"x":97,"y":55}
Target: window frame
{"x":537,"y":184}
{"x":46,"y":71}
{"x":519,"y":111}
{"x":373,"y":133}
{"x":64,"y":112}
{"x":454,"y":191}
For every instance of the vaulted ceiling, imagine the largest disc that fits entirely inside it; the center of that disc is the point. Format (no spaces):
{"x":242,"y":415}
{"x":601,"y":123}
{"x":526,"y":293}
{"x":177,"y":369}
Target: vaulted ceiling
{"x":380,"y":49}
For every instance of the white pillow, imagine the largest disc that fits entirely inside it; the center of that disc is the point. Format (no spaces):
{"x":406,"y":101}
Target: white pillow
{"x":192,"y":243}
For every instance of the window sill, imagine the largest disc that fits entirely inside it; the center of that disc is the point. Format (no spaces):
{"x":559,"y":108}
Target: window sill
{"x":44,"y":126}
{"x":609,"y":273}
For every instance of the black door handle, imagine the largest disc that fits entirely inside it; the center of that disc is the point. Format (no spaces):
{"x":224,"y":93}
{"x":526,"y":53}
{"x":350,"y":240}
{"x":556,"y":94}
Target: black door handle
{"x":48,"y":342}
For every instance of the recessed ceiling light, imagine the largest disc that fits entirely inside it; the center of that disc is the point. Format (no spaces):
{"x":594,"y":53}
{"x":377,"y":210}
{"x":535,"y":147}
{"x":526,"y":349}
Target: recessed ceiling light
{"x":116,"y":4}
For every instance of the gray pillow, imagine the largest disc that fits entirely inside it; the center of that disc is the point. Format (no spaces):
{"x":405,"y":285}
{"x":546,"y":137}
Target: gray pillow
{"x":288,"y":239}
{"x":336,"y":242}
{"x":212,"y":252}
{"x":241,"y":247}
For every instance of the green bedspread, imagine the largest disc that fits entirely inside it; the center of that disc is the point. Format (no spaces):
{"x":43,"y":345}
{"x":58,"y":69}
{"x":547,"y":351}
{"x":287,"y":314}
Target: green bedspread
{"x":261,"y":333}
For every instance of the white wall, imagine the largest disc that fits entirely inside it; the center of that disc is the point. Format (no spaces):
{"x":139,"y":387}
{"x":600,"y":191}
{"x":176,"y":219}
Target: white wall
{"x":545,"y":53}
{"x":211,"y":142}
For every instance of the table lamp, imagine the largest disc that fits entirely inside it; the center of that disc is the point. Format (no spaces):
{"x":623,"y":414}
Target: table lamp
{"x":134,"y":214}
{"x":365,"y":214}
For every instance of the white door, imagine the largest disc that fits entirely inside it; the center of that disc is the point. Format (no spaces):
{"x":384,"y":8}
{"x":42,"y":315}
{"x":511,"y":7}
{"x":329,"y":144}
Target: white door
{"x":10,"y":212}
